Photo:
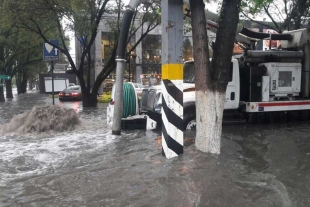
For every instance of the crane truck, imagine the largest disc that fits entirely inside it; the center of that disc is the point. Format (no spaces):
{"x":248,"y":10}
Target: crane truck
{"x":275,"y":81}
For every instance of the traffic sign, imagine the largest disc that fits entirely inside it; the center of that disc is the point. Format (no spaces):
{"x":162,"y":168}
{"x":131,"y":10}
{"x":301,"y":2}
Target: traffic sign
{"x":50,"y":52}
{"x":5,"y":77}
{"x":60,"y":67}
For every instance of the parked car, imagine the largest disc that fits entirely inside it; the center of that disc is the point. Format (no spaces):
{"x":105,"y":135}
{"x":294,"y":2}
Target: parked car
{"x":71,"y":93}
{"x":139,"y":88}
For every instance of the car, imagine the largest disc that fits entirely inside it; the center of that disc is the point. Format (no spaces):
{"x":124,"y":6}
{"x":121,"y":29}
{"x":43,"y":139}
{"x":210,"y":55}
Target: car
{"x":71,"y":93}
{"x":139,"y":88}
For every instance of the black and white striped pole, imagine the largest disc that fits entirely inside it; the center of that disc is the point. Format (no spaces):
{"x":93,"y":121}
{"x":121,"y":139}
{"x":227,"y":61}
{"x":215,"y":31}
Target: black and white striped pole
{"x":172,"y":76}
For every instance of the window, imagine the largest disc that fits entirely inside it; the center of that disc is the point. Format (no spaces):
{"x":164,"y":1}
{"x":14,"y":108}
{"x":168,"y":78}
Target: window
{"x":151,"y":49}
{"x":187,"y":49}
{"x":189,"y":72}
{"x":107,"y":44}
{"x":73,"y":88}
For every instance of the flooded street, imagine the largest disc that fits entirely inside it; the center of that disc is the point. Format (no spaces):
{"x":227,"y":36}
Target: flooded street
{"x":260,"y":165}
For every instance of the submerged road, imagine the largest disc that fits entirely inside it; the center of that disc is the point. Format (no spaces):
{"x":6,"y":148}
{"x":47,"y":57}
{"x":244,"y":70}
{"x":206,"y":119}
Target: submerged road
{"x":263,"y":165}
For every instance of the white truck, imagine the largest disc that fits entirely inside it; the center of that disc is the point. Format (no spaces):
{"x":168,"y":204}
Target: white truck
{"x":260,"y":82}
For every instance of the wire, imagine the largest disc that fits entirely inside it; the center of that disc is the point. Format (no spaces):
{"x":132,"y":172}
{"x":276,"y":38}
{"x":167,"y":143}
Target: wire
{"x":129,"y":100}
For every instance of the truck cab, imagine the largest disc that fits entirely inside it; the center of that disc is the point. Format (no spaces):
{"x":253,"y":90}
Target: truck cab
{"x":151,"y":98}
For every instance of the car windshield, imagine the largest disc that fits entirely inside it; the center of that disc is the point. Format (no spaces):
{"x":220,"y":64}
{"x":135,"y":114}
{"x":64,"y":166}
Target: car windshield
{"x":73,"y":88}
{"x":189,"y":72}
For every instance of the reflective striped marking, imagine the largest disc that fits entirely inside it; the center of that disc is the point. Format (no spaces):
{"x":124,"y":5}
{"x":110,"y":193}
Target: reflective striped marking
{"x":171,"y":143}
{"x":172,"y":117}
{"x":284,"y":104}
{"x":172,"y":71}
{"x":173,"y":91}
{"x":173,"y":131}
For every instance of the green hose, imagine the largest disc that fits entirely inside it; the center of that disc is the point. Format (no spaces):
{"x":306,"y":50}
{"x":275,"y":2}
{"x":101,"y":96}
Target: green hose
{"x":129,"y":100}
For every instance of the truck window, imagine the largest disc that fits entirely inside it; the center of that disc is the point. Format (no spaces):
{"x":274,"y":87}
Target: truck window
{"x":189,"y":72}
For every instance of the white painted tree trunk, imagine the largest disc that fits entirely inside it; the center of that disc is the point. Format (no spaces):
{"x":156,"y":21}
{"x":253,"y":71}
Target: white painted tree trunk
{"x":209,"y":116}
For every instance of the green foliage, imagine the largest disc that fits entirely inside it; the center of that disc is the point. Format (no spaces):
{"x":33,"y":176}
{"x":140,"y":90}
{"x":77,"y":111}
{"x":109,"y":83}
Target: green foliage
{"x":49,"y":19}
{"x":105,"y":98}
{"x":254,"y":6}
{"x":22,"y":49}
{"x":284,"y":14}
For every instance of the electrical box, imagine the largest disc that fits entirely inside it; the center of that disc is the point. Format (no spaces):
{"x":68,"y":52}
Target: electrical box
{"x":285,"y":78}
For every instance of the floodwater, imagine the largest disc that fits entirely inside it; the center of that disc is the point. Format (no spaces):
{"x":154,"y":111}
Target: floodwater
{"x":260,"y":165}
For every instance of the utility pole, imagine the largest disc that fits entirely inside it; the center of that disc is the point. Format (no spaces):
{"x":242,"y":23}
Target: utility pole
{"x":52,"y":63}
{"x":120,"y":66}
{"x":172,"y":76}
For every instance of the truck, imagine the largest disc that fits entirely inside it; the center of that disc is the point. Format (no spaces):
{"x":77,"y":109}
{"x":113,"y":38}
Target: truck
{"x":260,"y":83}
{"x":59,"y":84}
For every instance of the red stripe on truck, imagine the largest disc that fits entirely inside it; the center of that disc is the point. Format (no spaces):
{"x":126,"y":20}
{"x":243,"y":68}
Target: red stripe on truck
{"x":284,"y":104}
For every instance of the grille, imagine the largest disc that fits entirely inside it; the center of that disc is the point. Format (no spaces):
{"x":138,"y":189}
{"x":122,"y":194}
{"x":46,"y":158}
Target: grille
{"x":144,"y":98}
{"x":151,"y":100}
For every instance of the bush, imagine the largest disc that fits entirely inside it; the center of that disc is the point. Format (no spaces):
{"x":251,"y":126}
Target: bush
{"x":105,"y":98}
{"x":55,"y":95}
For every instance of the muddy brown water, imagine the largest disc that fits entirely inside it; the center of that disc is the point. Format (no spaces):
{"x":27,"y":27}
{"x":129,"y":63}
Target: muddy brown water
{"x":262,"y":165}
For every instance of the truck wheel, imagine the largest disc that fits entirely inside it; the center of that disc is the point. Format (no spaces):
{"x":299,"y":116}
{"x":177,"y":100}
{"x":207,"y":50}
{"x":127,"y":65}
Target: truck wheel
{"x":190,"y":121}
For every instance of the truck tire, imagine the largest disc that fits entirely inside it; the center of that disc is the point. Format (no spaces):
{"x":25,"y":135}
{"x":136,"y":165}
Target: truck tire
{"x":190,"y":121}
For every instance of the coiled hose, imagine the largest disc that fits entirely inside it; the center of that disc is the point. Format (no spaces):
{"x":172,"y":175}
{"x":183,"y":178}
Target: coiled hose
{"x":129,"y":100}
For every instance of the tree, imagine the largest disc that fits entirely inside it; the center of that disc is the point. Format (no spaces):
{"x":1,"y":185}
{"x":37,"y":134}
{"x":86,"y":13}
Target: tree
{"x":82,"y":17}
{"x":13,"y":49}
{"x":284,"y":14}
{"x":146,"y":18}
{"x":212,"y":77}
{"x":21,"y":51}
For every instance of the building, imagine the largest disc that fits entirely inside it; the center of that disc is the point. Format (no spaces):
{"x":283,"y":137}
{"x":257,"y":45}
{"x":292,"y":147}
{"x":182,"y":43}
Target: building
{"x":144,"y":64}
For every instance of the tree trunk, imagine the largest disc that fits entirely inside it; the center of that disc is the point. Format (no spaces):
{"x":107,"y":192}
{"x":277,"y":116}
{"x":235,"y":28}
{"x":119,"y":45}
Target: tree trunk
{"x":8,"y":85}
{"x":2,"y":99}
{"x":89,"y":100}
{"x":89,"y":66}
{"x":211,"y":82}
{"x":209,"y":120}
{"x":18,"y":83}
{"x":105,"y":72}
{"x":23,"y":83}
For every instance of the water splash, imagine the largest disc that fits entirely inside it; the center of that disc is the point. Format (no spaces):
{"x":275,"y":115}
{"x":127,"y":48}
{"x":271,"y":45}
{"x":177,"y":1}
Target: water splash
{"x":42,"y":119}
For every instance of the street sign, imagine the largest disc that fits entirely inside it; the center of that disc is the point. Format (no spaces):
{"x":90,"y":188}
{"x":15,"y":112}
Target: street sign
{"x":5,"y":77}
{"x":50,"y":53}
{"x":60,"y":67}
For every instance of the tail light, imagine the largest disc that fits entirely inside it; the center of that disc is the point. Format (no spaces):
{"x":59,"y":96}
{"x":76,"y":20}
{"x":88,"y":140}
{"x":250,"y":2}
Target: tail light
{"x":61,"y":94}
{"x":112,"y":102}
{"x":75,"y":93}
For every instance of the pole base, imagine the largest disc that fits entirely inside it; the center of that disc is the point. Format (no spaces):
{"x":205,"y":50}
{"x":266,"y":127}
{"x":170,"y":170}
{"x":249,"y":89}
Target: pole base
{"x":163,"y":152}
{"x":116,"y":132}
